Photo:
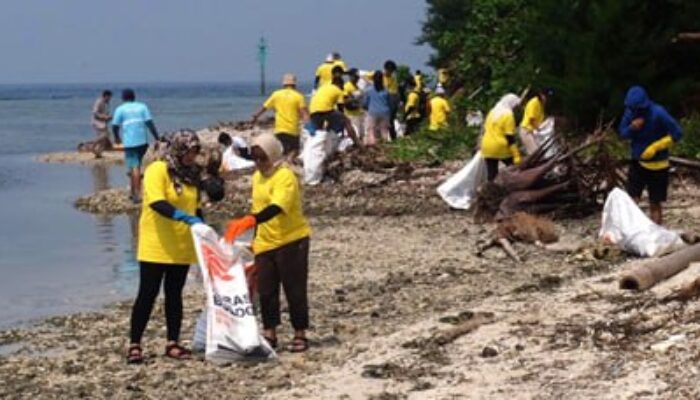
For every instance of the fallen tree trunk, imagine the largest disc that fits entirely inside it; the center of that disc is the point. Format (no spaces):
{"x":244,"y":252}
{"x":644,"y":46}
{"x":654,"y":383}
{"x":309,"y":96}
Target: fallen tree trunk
{"x":685,"y":162}
{"x":650,"y":272}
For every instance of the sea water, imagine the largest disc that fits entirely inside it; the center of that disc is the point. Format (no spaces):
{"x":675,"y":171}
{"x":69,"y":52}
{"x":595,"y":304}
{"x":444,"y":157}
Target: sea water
{"x":55,"y":259}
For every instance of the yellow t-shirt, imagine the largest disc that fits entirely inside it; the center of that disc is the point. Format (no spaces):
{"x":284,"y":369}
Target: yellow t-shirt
{"x":439,"y":108}
{"x":351,"y":90}
{"x":494,"y":143}
{"x":419,"y":81}
{"x":413,"y":100}
{"x":282,"y":190}
{"x":339,"y":63}
{"x":326,"y":98}
{"x":287,"y":104}
{"x":443,"y":76}
{"x":391,"y":84}
{"x":161,"y":239}
{"x":534,"y":114}
{"x":324,"y":72}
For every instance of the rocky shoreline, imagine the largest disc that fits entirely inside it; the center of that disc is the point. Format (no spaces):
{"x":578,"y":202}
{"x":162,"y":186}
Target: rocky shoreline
{"x":405,"y":305}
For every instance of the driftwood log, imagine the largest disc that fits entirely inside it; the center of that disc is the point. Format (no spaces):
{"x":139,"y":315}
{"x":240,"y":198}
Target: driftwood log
{"x":650,"y":272}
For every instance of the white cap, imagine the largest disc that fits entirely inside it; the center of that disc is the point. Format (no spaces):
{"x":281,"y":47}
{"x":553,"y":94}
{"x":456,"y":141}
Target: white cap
{"x":329,"y":57}
{"x":439,"y":90}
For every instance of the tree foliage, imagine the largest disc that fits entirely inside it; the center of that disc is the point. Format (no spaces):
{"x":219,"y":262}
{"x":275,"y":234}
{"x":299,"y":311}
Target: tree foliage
{"x":588,"y":51}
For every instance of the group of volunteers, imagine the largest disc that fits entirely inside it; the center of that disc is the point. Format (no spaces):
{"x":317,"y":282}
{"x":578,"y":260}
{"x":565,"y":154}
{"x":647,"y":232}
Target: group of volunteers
{"x":364,"y":105}
{"x":171,"y":190}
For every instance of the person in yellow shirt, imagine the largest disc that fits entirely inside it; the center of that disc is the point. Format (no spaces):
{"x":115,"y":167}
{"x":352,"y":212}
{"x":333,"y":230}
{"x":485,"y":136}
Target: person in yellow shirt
{"x":391,"y":84}
{"x":281,"y":243}
{"x":498,"y":142}
{"x":418,"y":78}
{"x":324,"y":72}
{"x":532,"y":118}
{"x":338,"y":62}
{"x":290,"y":108}
{"x":353,"y":103}
{"x":439,"y":110}
{"x":325,"y":101}
{"x":412,"y":109}
{"x":165,"y":246}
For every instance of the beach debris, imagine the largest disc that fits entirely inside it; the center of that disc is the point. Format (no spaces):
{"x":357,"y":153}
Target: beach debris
{"x":648,"y":273}
{"x":444,"y":337}
{"x":562,"y":182}
{"x":672,"y":341}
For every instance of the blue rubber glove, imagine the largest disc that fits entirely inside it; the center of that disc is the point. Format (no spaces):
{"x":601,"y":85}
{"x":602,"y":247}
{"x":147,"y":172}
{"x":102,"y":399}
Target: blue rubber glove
{"x":182,"y":216}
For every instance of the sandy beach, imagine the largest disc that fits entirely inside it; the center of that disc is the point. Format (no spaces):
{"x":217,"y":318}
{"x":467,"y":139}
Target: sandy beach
{"x":402,"y":307}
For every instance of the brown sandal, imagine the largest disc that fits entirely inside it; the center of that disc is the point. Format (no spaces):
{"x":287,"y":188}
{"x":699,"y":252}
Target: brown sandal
{"x":134,"y":355}
{"x":177,"y":352}
{"x":298,"y":345}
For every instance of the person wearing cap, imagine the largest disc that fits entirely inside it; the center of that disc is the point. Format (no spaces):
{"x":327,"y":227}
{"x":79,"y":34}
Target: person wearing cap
{"x":165,"y":246}
{"x":324,"y":72}
{"x":533,"y":117}
{"x":498,"y":142}
{"x":281,"y":242}
{"x":439,"y":110}
{"x":290,"y":108}
{"x":353,"y":103}
{"x":651,"y":131}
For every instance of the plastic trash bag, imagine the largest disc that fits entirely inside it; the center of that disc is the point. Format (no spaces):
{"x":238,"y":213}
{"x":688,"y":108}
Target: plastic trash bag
{"x":317,"y":148}
{"x":625,"y":225}
{"x":460,"y":190}
{"x":543,"y":133}
{"x":232,"y":331}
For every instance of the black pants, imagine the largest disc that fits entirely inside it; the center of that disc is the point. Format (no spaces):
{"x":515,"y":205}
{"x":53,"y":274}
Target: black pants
{"x":151,"y":276}
{"x":654,"y":181}
{"x":412,"y":126}
{"x":492,"y":167}
{"x":289,"y":266}
{"x":290,"y":142}
{"x":394,"y":108}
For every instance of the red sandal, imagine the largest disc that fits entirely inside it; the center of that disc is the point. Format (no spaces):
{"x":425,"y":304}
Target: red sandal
{"x":177,"y":352}
{"x":298,"y":345}
{"x":134,"y":355}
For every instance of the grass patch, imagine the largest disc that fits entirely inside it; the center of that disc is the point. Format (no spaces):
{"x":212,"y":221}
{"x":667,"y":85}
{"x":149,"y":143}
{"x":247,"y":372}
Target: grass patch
{"x":426,"y":146}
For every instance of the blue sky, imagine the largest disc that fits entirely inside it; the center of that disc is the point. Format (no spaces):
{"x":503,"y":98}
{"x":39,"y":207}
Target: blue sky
{"x":49,"y":41}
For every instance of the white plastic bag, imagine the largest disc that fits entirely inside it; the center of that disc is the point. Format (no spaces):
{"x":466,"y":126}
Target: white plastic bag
{"x":625,"y":225}
{"x":231,"y":326}
{"x":313,"y":155}
{"x":317,"y":149}
{"x":543,"y":133}
{"x":460,"y":190}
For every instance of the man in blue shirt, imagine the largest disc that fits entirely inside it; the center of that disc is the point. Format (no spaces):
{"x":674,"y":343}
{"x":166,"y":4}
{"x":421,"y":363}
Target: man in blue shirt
{"x":651,"y":131}
{"x":132,"y":118}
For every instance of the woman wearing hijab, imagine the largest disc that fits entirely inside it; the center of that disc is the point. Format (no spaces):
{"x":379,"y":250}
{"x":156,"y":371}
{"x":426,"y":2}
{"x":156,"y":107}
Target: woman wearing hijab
{"x":165,"y":248}
{"x":498,"y":142}
{"x":281,"y":243}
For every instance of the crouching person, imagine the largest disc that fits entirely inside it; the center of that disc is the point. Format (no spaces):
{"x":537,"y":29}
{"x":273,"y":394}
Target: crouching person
{"x":281,"y":243}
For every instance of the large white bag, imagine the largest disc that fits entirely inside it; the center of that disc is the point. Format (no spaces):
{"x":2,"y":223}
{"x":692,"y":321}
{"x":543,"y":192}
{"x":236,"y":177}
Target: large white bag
{"x":317,"y":149}
{"x":231,"y":325}
{"x":625,"y":225}
{"x":543,"y":133}
{"x":460,"y":190}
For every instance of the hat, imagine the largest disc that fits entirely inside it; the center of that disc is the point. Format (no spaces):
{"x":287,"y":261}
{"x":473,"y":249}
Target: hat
{"x":289,"y":79}
{"x":439,"y":90}
{"x":329,"y":57}
{"x":271,"y":146}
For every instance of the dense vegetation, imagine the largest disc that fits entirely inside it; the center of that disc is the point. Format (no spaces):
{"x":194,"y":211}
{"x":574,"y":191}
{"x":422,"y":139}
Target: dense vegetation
{"x":590,"y":52}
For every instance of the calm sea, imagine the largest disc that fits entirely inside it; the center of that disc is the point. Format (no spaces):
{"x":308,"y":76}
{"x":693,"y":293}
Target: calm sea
{"x":53,"y":258}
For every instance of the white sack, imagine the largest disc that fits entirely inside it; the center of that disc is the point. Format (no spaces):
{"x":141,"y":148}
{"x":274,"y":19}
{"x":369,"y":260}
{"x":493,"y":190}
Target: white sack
{"x":460,"y":190}
{"x":625,"y":225}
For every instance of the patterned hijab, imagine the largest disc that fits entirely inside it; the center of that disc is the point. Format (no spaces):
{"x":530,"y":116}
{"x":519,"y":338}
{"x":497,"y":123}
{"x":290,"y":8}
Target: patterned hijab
{"x":179,"y":144}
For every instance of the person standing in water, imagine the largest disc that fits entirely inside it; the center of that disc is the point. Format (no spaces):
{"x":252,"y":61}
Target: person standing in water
{"x":132,"y":118}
